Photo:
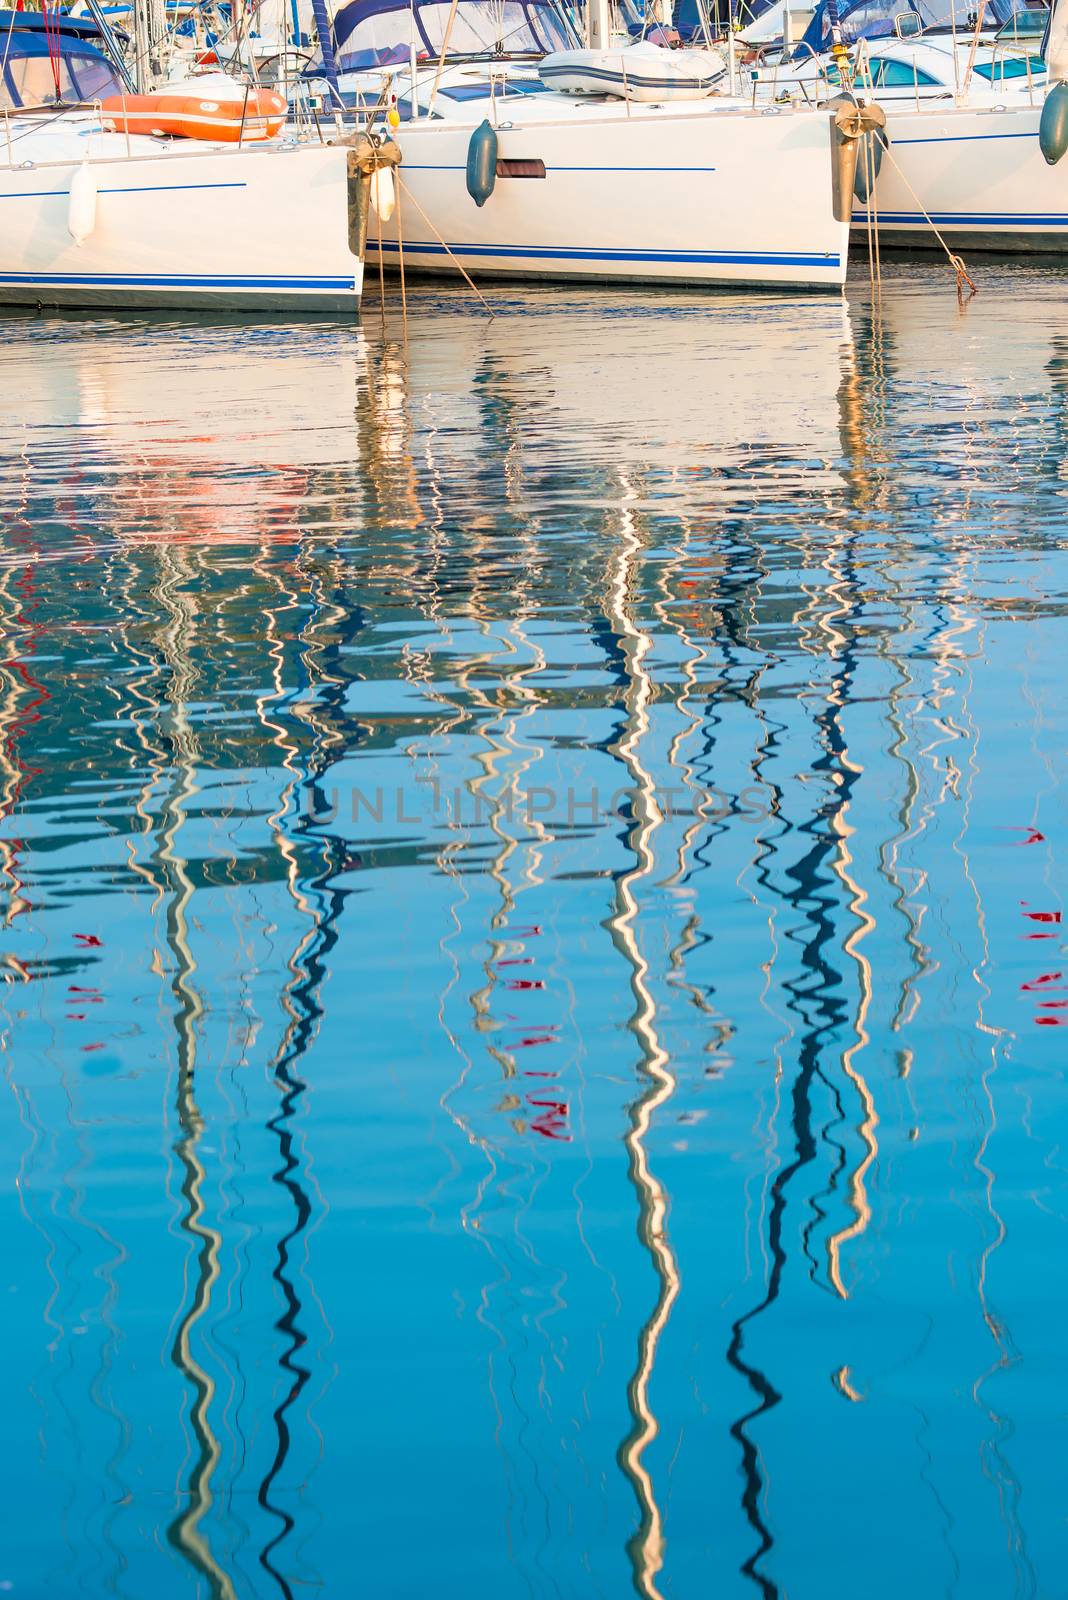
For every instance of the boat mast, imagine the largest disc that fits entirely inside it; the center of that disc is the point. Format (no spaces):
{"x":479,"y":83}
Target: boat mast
{"x":114,"y":49}
{"x":599,"y":24}
{"x":324,"y":29}
{"x":149,"y":31}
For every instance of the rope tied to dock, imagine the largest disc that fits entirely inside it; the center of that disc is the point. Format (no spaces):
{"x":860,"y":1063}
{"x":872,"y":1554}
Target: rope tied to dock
{"x":956,"y":262}
{"x":855,"y":121}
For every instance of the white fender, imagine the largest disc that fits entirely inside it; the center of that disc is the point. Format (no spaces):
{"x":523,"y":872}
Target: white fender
{"x":81,"y":211}
{"x":383,"y":194}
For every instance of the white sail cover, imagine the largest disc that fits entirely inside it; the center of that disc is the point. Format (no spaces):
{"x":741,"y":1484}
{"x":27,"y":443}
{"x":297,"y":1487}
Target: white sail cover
{"x":1055,"y":42}
{"x":284,"y":19}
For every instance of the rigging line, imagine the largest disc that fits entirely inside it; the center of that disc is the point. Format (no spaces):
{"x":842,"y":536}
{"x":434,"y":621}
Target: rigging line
{"x":51,"y":31}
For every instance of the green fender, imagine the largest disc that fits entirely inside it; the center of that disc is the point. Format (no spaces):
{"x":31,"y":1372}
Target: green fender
{"x":1053,"y":127}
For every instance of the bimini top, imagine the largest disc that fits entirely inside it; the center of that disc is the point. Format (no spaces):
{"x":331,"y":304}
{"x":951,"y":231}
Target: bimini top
{"x":379,"y":33}
{"x":690,"y":18}
{"x":875,"y":19}
{"x":58,"y":22}
{"x":32,"y":76}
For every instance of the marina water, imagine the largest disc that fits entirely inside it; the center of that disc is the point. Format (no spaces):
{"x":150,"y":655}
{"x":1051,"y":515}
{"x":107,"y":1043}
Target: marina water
{"x":531,"y":867}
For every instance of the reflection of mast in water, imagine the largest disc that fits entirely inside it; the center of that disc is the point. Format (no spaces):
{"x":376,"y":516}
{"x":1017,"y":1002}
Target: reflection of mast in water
{"x":494,"y":719}
{"x":21,"y":696}
{"x":842,"y":864}
{"x":733,"y":607}
{"x":814,"y":993}
{"x":680,"y":622}
{"x":50,"y":1187}
{"x":185,"y":1532}
{"x":952,"y":658}
{"x":946,"y":644}
{"x":299,"y":817}
{"x":646,"y":1547}
{"x":11,"y":776}
{"x":860,"y":412}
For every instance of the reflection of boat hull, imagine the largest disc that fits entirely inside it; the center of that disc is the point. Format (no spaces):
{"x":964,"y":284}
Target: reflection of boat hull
{"x":266,"y":228}
{"x":658,"y":381}
{"x":979,"y":175}
{"x":648,"y":194}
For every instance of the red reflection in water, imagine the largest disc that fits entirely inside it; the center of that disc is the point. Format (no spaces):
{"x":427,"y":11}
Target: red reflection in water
{"x":30,"y":713}
{"x":1033,"y":834}
{"x":552,"y":1122}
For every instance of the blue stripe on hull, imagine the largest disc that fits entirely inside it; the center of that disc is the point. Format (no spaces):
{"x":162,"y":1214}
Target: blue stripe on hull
{"x":151,"y":188}
{"x":712,"y":258}
{"x":650,"y":172}
{"x":970,"y":219}
{"x":964,"y":138}
{"x":155,"y":281}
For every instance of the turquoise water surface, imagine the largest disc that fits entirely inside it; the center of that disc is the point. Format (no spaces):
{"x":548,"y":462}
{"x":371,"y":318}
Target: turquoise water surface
{"x":532,"y":953}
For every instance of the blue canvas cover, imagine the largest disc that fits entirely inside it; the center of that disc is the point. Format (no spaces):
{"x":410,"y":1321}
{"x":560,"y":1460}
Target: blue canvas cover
{"x":375,"y":33}
{"x":874,"y":19}
{"x":58,"y":21}
{"x":27,"y":77}
{"x":687,"y":16}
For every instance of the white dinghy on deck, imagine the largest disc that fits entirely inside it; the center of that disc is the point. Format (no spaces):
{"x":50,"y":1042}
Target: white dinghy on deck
{"x":642,"y":72}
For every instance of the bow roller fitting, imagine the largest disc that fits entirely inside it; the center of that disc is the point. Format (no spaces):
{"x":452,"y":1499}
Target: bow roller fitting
{"x":856,"y":130}
{"x":370,"y":161}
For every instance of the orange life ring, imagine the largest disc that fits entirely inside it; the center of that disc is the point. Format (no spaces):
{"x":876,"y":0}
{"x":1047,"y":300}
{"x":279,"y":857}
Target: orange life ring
{"x":192,"y":116}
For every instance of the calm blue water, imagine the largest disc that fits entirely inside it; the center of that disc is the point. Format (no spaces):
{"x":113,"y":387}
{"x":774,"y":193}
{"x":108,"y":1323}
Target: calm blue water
{"x":530,"y":919}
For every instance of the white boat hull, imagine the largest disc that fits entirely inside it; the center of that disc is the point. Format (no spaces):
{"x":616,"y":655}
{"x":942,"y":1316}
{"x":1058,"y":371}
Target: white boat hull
{"x":192,"y":225}
{"x":656,"y":194}
{"x":978,"y":174}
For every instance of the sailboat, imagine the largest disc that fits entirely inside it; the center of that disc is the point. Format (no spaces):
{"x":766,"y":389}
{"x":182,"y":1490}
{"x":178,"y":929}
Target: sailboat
{"x":96,"y":213}
{"x":505,"y":175}
{"x":965,"y":160}
{"x":981,"y":170}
